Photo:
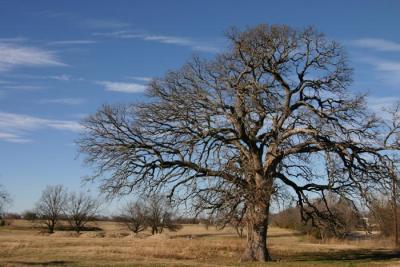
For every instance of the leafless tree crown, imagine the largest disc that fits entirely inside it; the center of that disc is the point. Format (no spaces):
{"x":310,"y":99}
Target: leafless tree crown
{"x":51,"y":205}
{"x":272,"y":113}
{"x":134,"y":216}
{"x":79,"y":209}
{"x":160,"y":214}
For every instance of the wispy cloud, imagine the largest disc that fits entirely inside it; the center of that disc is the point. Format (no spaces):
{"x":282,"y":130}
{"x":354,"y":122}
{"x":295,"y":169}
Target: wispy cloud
{"x":61,"y":77}
{"x":164,"y":39}
{"x":104,"y":24}
{"x":13,"y":138}
{"x":72,"y":42}
{"x":141,"y":79}
{"x":63,"y":101}
{"x":14,"y":55}
{"x":13,"y":40}
{"x":5,"y":82}
{"x":23,"y":87}
{"x":389,"y":66}
{"x":387,"y":71}
{"x":379,"y":103}
{"x":377,"y":44}
{"x":122,"y":87}
{"x":15,"y":127}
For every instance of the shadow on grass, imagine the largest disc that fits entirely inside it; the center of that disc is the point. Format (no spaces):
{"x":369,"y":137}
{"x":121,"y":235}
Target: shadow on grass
{"x":204,"y":235}
{"x":40,"y":263}
{"x":350,"y":255}
{"x":70,"y":228}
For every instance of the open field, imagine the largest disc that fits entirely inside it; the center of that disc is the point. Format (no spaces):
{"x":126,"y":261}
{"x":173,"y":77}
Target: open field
{"x":193,"y":245}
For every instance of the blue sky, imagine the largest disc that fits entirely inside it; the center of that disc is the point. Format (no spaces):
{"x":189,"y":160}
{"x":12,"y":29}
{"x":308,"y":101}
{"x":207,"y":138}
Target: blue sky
{"x":59,"y":61}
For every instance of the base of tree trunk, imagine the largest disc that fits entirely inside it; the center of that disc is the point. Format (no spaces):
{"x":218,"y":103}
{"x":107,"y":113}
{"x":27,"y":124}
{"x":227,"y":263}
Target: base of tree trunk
{"x":257,"y":249}
{"x":257,"y":229}
{"x":255,"y":255}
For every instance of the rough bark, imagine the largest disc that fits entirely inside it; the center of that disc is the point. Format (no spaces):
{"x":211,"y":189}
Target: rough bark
{"x":257,"y":216}
{"x":257,"y":229}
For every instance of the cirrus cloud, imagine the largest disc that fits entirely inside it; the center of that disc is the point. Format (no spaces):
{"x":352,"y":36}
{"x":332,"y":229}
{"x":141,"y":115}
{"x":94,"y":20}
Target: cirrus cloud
{"x":377,"y":44}
{"x":122,"y":87}
{"x":195,"y":45}
{"x":15,"y":127}
{"x":103,"y":24}
{"x":72,"y":42}
{"x":13,"y":55}
{"x":63,"y":101}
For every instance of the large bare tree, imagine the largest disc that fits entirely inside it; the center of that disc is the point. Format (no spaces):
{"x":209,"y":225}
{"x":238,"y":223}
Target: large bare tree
{"x":272,"y":113}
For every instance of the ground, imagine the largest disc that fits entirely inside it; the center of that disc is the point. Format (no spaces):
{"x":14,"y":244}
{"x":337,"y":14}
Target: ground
{"x":21,"y":244}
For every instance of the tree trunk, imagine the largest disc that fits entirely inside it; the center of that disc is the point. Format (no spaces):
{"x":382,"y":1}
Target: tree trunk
{"x":257,"y":228}
{"x":50,"y":226}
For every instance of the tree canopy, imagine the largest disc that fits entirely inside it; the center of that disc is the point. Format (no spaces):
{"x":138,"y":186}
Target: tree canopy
{"x":271,"y":114}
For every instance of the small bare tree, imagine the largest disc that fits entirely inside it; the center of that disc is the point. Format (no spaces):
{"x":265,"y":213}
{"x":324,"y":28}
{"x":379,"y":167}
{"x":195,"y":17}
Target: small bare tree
{"x":135,"y":216}
{"x":5,"y":200}
{"x":79,"y":209}
{"x":160,"y":215}
{"x":51,"y":205}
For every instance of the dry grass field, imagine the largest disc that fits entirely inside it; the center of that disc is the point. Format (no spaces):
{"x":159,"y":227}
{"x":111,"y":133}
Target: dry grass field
{"x":21,"y":244}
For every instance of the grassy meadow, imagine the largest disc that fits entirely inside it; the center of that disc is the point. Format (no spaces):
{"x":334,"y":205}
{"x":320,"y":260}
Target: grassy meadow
{"x":23,"y":244}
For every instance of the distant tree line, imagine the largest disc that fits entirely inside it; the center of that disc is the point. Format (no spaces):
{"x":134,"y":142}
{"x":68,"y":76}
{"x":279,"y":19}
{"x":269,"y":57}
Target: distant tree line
{"x":155,"y":213}
{"x":57,"y":204}
{"x":378,"y":217}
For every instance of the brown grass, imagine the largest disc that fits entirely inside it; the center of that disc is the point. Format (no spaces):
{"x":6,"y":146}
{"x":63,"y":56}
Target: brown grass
{"x":193,"y":245}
